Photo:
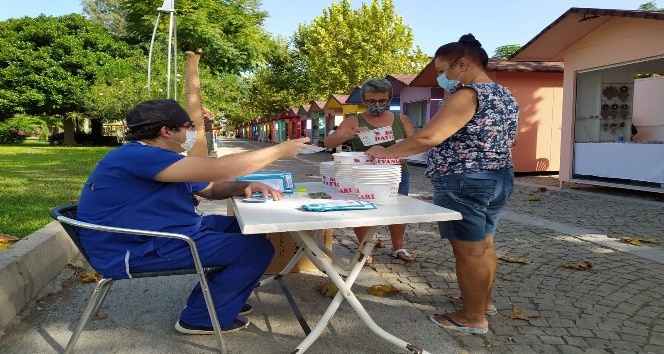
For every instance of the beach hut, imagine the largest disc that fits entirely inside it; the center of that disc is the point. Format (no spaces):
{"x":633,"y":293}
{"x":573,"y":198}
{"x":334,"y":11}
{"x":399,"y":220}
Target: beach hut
{"x":613,"y":63}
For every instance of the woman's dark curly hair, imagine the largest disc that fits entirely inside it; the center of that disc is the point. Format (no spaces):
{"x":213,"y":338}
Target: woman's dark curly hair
{"x":467,"y":47}
{"x":148,"y":131}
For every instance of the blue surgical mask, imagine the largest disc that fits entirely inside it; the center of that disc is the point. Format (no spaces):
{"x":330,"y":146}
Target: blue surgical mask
{"x":447,"y":84}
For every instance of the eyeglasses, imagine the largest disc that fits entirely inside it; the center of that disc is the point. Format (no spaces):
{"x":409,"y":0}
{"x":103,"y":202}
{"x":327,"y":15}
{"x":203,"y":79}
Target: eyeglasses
{"x":376,"y":101}
{"x":448,"y":69}
{"x":189,"y":125}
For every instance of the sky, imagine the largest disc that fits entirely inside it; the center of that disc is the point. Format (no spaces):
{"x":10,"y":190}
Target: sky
{"x":434,"y":22}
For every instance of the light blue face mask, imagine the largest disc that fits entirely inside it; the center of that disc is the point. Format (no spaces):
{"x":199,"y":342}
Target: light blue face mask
{"x":447,"y":84}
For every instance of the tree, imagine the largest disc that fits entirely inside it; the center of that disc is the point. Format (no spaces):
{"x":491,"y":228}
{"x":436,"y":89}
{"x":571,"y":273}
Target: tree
{"x":650,"y":6}
{"x":47,"y":64}
{"x":229,"y":31}
{"x":343,"y":47}
{"x":108,"y":14}
{"x":505,"y":51}
{"x":282,"y":83}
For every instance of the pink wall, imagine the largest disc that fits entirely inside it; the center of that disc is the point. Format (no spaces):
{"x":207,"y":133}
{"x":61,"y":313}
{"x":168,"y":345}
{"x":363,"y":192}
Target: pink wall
{"x":619,"y":40}
{"x":540,"y":99}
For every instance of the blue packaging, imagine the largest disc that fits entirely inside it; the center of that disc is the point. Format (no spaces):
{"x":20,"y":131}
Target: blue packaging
{"x":279,"y":180}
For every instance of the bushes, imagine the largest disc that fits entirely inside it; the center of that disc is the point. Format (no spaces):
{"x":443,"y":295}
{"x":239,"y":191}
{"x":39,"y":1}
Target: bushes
{"x":84,"y":139}
{"x":11,"y":135}
{"x":15,"y":129}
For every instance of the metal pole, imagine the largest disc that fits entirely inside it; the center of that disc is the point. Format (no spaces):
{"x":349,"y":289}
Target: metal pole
{"x":154,"y":34}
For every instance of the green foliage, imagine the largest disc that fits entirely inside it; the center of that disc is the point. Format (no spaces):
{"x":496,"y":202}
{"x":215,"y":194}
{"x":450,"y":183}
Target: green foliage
{"x":47,"y":64}
{"x":650,"y":6}
{"x":36,"y":178}
{"x":343,"y":47}
{"x":107,"y":14}
{"x":282,"y":84}
{"x":228,"y":31}
{"x":14,"y":130}
{"x":506,"y":51}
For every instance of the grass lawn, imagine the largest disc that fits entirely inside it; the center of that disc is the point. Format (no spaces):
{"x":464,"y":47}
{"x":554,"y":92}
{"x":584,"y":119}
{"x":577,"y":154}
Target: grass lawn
{"x":37,"y":177}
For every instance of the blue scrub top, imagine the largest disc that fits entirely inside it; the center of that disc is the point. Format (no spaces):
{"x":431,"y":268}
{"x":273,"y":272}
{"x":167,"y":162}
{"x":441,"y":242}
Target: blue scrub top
{"x":122,"y":192}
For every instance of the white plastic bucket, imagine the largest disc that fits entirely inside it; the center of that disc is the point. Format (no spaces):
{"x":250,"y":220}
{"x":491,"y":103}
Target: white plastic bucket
{"x":377,"y":192}
{"x":352,"y":158}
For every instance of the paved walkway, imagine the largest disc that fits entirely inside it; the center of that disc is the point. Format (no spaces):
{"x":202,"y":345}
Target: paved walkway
{"x":615,"y":307}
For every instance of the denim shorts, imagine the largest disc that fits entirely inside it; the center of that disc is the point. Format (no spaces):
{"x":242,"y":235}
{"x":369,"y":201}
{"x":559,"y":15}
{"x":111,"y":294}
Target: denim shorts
{"x":404,"y":185}
{"x":478,"y":196}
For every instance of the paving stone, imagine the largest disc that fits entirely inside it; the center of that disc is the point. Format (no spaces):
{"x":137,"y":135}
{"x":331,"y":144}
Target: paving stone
{"x":617,"y":306}
{"x":575,"y":341}
{"x":570,"y":349}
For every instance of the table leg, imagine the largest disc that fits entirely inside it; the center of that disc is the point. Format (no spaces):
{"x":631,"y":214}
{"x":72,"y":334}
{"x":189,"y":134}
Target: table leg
{"x":315,"y":253}
{"x":286,"y":270}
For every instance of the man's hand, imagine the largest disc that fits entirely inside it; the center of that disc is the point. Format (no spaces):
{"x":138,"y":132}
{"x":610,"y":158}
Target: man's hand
{"x":290,"y":148}
{"x":253,"y":187}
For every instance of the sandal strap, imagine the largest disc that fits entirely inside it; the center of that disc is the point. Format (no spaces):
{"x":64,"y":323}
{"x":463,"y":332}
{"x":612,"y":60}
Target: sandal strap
{"x":402,"y":250}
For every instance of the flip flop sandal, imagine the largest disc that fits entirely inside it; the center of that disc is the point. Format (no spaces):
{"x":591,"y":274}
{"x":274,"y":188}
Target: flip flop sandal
{"x":404,"y":255}
{"x":456,"y":326}
{"x":379,"y":243}
{"x":369,"y":261}
{"x":458,"y":300}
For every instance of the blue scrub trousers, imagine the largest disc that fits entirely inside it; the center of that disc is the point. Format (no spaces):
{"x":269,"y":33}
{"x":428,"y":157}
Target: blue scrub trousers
{"x":245,"y":256}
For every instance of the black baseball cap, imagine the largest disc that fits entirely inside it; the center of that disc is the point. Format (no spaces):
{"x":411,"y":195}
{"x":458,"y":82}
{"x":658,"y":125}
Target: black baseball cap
{"x":169,"y":112}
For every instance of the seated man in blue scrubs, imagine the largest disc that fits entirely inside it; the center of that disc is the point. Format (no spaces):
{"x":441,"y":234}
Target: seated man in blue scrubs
{"x":148,"y":184}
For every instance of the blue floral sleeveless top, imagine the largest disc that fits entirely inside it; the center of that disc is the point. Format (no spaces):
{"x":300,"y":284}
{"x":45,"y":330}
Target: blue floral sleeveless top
{"x":485,"y":142}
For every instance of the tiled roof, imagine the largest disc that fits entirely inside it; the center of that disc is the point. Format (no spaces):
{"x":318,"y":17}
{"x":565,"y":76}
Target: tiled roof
{"x":340,"y":98}
{"x":524,"y":66}
{"x":403,"y":78}
{"x":427,"y":77}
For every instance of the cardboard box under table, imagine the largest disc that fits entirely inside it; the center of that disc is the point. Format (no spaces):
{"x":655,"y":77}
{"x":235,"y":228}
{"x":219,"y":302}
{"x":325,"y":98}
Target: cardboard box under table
{"x":285,"y":247}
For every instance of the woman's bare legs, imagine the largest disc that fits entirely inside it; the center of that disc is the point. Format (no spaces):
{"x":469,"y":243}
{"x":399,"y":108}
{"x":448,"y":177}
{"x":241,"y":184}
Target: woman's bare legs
{"x":475,"y":269}
{"x":397,"y":233}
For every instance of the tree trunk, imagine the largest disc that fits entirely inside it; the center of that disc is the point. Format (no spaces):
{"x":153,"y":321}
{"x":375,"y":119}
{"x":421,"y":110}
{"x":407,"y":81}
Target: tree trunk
{"x":69,"y":128}
{"x":97,"y":131}
{"x":194,"y":101}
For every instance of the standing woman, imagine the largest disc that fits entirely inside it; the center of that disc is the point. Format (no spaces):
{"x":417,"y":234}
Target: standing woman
{"x":376,"y":97}
{"x":471,"y":169}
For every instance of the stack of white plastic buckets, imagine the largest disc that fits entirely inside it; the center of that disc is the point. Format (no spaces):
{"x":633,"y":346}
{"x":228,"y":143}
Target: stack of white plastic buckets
{"x":327,"y":172}
{"x":368,"y":178}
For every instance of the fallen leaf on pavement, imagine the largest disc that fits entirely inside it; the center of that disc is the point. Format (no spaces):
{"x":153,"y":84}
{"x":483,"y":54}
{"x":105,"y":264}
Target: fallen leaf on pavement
{"x":630,"y":240}
{"x":583,"y":265}
{"x":383,"y":290}
{"x":328,"y":290}
{"x":517,"y":314}
{"x":533,"y":198}
{"x":7,"y":240}
{"x":515,"y":260}
{"x":99,"y":317}
{"x":637,"y":241}
{"x":542,"y":189}
{"x":90,"y":277}
{"x":379,"y":243}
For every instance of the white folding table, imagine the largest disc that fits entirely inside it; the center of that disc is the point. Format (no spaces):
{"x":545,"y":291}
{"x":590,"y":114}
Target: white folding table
{"x":306,"y":229}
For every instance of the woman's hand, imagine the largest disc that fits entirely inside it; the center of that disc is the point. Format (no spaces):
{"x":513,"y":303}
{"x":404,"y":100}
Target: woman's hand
{"x":253,"y":187}
{"x":377,"y":151}
{"x":356,"y":131}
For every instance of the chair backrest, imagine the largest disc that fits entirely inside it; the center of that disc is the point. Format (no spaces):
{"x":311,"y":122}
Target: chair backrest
{"x":69,"y":211}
